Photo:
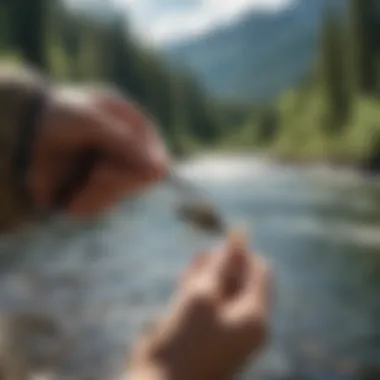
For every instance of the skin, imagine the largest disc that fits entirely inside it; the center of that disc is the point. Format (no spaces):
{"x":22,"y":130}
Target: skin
{"x":132,"y":155}
{"x":217,"y":320}
{"x":218,"y":317}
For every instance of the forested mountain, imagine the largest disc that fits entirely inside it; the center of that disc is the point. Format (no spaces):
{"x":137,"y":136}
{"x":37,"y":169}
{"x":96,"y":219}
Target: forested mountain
{"x":333,"y":114}
{"x":96,"y":45}
{"x":305,"y":82}
{"x":258,"y":56}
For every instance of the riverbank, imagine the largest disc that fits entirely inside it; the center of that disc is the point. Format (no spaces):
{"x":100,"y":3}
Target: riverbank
{"x":364,"y":167}
{"x":361,"y":166}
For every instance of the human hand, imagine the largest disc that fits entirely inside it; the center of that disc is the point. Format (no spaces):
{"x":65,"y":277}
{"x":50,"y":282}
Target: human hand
{"x":218,"y":319}
{"x":131,"y":154}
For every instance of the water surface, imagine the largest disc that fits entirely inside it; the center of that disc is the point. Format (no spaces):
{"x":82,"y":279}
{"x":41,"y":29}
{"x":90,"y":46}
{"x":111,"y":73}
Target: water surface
{"x":318,"y":228}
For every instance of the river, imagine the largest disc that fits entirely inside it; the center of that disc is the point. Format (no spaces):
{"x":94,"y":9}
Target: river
{"x":319,"y":229}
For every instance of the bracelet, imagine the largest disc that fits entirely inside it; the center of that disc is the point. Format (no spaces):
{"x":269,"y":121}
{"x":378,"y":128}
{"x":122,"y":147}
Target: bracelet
{"x":27,"y":132}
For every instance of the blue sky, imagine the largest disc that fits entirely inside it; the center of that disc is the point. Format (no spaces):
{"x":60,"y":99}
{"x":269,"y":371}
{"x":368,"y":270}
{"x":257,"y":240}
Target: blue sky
{"x":162,"y":21}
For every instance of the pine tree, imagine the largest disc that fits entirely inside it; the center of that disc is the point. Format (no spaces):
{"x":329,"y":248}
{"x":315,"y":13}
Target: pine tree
{"x":363,"y":44}
{"x":333,"y":71}
{"x":28,"y":20}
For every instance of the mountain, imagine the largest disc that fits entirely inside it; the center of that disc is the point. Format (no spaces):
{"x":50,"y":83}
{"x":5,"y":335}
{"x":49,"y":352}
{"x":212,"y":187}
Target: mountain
{"x":257,"y":57}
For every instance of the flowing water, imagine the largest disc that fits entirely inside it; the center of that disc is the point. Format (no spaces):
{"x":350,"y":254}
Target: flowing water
{"x":318,"y":228}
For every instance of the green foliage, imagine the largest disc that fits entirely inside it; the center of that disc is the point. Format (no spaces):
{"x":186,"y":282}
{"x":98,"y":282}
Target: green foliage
{"x":334,"y":116}
{"x":72,"y":45}
{"x":333,"y":76}
{"x":363,"y":27}
{"x":28,"y":30}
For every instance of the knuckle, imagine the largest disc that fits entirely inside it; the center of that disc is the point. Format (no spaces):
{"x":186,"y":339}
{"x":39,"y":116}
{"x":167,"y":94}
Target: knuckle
{"x":202,"y":301}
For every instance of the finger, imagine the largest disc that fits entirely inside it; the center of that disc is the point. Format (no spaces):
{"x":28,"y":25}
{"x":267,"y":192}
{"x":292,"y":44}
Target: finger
{"x":124,"y":110}
{"x":107,"y":185}
{"x":102,"y":112}
{"x":234,"y":245}
{"x":254,"y":300}
{"x":199,"y":261}
{"x":229,"y":264}
{"x":122,"y":147}
{"x":131,"y":116}
{"x":150,"y":329}
{"x":45,"y":177}
{"x":81,"y":126}
{"x":85,"y":125}
{"x":96,"y":130}
{"x":260,"y":286}
{"x":147,"y":162}
{"x":42,"y":179}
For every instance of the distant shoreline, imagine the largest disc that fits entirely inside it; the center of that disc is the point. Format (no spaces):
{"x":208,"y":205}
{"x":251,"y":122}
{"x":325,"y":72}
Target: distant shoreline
{"x":366,"y":168}
{"x":362,"y":168}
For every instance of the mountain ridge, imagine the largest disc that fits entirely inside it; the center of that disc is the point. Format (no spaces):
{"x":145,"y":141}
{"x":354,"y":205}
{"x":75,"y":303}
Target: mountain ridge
{"x":256,"y":58}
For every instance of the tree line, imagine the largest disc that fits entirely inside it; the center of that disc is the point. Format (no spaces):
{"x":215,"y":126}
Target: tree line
{"x":73,"y":45}
{"x":334,"y":114}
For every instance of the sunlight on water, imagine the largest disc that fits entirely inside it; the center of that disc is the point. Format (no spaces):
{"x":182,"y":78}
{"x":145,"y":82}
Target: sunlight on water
{"x":216,"y":168}
{"x":318,"y":229}
{"x":247,"y":167}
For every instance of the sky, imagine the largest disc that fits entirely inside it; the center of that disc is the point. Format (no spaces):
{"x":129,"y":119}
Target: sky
{"x":163,"y":21}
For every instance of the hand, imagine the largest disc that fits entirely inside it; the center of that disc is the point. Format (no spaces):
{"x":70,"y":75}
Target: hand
{"x":132,"y":155}
{"x":218,"y":319}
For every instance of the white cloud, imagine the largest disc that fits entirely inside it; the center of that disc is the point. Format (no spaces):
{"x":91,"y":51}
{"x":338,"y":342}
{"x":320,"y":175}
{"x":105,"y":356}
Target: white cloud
{"x":160,"y":21}
{"x":182,"y":23}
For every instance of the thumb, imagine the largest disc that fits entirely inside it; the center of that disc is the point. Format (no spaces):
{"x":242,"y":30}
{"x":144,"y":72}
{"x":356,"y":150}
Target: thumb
{"x":228,"y":266}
